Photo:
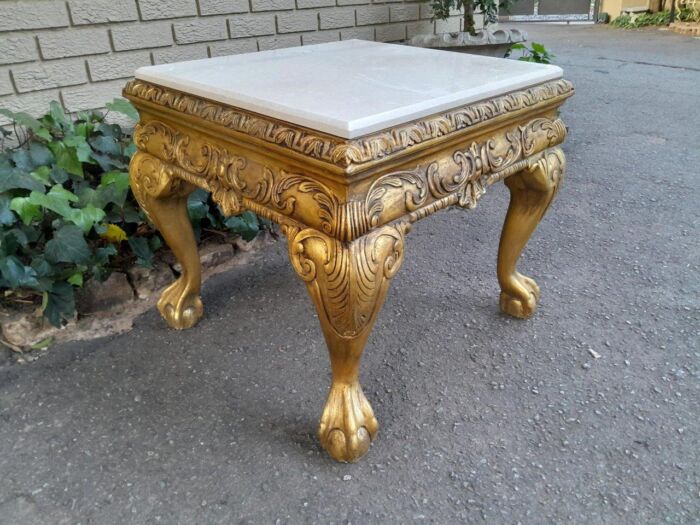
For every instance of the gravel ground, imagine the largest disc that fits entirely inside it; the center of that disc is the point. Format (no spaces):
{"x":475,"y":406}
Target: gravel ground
{"x":484,"y":419}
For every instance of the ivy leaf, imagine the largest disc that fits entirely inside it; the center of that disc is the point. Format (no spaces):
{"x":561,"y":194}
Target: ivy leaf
{"x":67,"y":158}
{"x":59,"y":303}
{"x":42,"y":174}
{"x":123,"y":106}
{"x":68,"y":245}
{"x":59,"y":175}
{"x":110,"y":130}
{"x":143,"y":252}
{"x":130,"y":150}
{"x":103,"y":254}
{"x":16,"y":275}
{"x":245,"y":224}
{"x":42,"y":267}
{"x":76,"y":279}
{"x":9,"y":243}
{"x":15,"y":179}
{"x":22,"y":159}
{"x":82,"y":148}
{"x":26,"y":210}
{"x":40,"y":154}
{"x":114,"y":188}
{"x":59,"y":115}
{"x":23,"y":119}
{"x":85,"y":218}
{"x":106,"y":145}
{"x":7,"y":218}
{"x":57,"y":200}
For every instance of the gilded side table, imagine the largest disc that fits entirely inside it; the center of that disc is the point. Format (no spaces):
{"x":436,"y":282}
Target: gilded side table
{"x":345,"y":145}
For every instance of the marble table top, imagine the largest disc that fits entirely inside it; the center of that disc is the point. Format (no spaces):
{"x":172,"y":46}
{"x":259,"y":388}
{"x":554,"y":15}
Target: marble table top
{"x":349,"y":88}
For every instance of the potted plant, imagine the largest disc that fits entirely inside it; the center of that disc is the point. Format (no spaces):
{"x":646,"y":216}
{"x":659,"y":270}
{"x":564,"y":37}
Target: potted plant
{"x":484,"y":41}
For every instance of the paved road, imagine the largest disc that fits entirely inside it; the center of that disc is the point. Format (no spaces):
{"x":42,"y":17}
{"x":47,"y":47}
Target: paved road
{"x":484,"y":419}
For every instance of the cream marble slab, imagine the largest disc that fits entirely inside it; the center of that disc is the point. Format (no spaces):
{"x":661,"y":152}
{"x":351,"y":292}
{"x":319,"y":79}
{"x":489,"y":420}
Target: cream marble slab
{"x":349,"y":88}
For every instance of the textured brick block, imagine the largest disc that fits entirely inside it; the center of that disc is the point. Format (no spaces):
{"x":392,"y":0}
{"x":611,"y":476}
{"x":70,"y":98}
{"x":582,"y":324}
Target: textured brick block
{"x":359,"y":33}
{"x":91,"y":96}
{"x":117,"y":65}
{"x":338,"y":17}
{"x":272,"y":5}
{"x":404,"y":13}
{"x":306,"y":4}
{"x":46,"y":75}
{"x":368,"y":15}
{"x":17,"y":47}
{"x":200,"y":30}
{"x":278,"y":42}
{"x":451,"y":25}
{"x":36,"y":104}
{"x":101,"y":11}
{"x":424,"y":27}
{"x":251,"y":25}
{"x":426,"y":11}
{"x":222,"y":7}
{"x":5,"y":82}
{"x":352,"y":2}
{"x":32,"y":14}
{"x":168,"y":55}
{"x":155,"y":9}
{"x":320,"y":37}
{"x":141,"y":36}
{"x":391,"y":32}
{"x":233,"y":47}
{"x":73,"y":42}
{"x":296,"y":21}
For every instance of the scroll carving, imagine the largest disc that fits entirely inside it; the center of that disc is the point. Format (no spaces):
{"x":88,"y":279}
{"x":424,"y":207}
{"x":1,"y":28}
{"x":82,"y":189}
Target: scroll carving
{"x":466,"y":178}
{"x":237,"y":182}
{"x":347,"y":281}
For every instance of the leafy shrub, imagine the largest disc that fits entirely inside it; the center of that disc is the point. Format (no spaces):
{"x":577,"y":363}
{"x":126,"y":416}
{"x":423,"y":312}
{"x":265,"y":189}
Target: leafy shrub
{"x":662,"y":18}
{"x":67,"y":213}
{"x":535,"y":53}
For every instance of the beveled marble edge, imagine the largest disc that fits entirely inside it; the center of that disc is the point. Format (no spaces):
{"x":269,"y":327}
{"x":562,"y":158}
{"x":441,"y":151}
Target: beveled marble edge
{"x":337,"y":150}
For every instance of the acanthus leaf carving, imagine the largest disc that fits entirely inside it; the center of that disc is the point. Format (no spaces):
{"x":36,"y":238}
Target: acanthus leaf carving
{"x":347,"y":152}
{"x":233,"y":180}
{"x":347,"y":280}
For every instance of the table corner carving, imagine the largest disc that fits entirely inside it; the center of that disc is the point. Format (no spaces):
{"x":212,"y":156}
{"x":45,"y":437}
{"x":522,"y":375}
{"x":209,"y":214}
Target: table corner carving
{"x":346,"y":206}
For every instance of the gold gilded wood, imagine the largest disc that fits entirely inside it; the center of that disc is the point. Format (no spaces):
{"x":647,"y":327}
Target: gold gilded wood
{"x":531,"y":192}
{"x":163,"y":196}
{"x":345,"y":205}
{"x":347,"y":283}
{"x":341,"y":152}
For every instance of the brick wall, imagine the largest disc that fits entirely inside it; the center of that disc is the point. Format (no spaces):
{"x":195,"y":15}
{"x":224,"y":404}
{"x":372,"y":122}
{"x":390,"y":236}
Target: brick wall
{"x":81,"y":52}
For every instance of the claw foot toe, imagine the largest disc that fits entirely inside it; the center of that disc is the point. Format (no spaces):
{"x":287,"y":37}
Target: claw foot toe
{"x":521,"y":299}
{"x":348,"y":424}
{"x":180,"y":305}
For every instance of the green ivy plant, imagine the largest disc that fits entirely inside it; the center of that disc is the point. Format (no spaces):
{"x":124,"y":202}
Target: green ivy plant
{"x":66,"y":210}
{"x":535,"y":53}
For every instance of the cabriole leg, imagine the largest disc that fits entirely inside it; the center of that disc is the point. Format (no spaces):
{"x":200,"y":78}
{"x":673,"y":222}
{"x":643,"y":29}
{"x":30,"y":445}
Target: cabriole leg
{"x":347,"y":283}
{"x":164,"y":199}
{"x":531,"y":192}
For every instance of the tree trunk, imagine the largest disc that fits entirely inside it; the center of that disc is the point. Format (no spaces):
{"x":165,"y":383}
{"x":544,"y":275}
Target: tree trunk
{"x":469,"y":17}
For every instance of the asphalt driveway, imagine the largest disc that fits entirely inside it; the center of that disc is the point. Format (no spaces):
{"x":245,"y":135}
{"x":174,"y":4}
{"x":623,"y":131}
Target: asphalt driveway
{"x":484,"y":418}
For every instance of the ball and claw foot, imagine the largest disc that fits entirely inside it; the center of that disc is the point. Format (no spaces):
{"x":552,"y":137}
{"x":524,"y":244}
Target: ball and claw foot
{"x":348,"y":424}
{"x":521,"y":299}
{"x":180,"y":305}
